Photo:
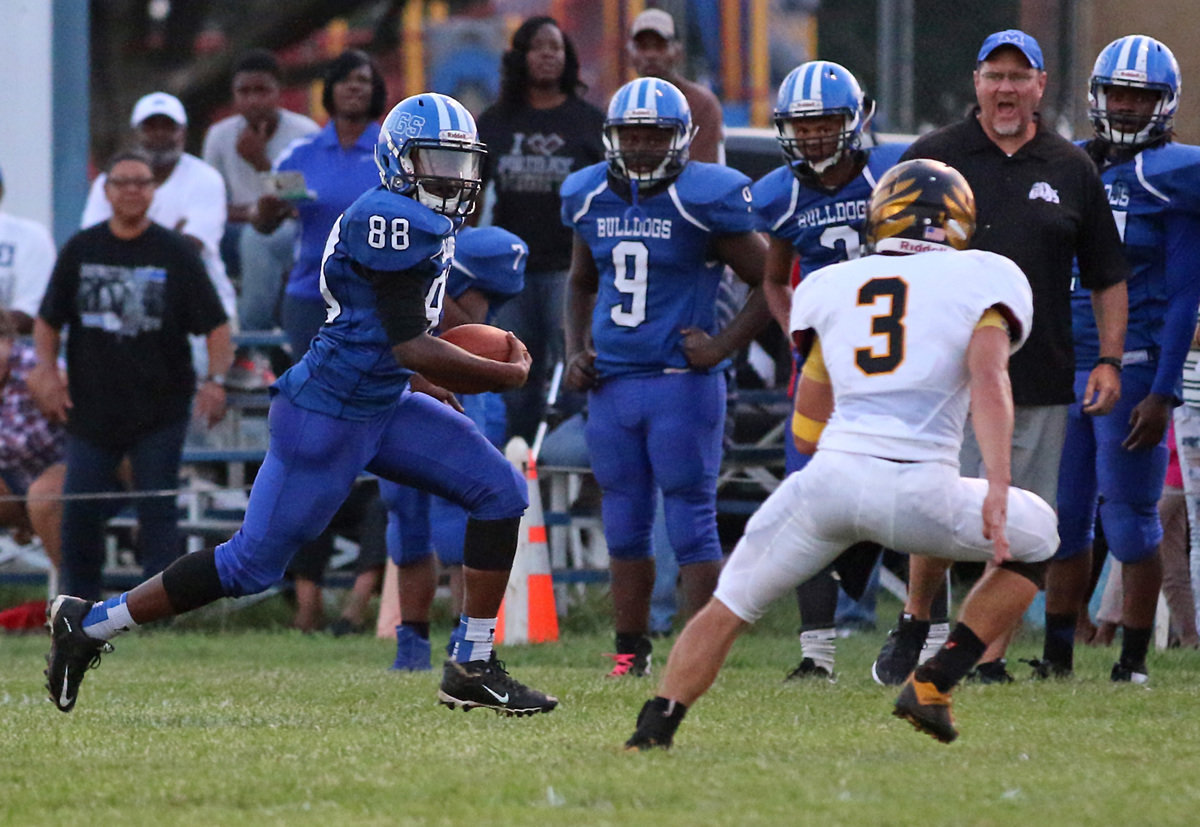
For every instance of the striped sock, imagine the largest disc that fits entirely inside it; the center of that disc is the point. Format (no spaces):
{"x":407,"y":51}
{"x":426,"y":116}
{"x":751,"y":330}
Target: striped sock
{"x":475,"y":636}
{"x":108,"y":618}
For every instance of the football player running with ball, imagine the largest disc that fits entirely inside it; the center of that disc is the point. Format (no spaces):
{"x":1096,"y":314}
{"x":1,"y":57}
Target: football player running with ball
{"x":900,"y":345}
{"x":366,"y":397}
{"x":815,"y":207}
{"x":653,"y":233}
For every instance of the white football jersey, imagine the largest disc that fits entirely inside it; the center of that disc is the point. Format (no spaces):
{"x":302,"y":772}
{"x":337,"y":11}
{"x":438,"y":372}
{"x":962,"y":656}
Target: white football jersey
{"x":894,"y":332}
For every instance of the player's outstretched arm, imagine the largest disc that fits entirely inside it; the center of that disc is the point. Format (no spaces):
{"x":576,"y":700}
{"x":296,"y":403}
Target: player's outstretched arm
{"x":583,"y":281}
{"x":992,"y":419}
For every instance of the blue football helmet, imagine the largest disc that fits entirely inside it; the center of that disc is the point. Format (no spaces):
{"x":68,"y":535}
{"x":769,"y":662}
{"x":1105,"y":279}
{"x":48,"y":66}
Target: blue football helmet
{"x":1140,"y":62}
{"x":429,"y":150}
{"x":480,"y":252}
{"x":816,"y":89}
{"x":648,"y":102}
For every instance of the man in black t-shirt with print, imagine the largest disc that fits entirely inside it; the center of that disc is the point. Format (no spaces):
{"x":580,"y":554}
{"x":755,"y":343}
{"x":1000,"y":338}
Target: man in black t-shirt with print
{"x":1041,"y":203}
{"x":537,"y":133}
{"x":129,"y":292}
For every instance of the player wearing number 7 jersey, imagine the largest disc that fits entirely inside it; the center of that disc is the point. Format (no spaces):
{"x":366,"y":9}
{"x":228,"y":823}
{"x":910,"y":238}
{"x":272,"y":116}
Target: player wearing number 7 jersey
{"x":901,"y":344}
{"x":653,"y":233}
{"x":361,"y":399}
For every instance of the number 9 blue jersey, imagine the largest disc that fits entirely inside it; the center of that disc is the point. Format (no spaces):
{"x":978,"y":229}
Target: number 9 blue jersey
{"x":657,"y":270}
{"x":349,"y":371}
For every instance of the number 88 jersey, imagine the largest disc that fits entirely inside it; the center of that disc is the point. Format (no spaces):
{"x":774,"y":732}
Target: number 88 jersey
{"x":657,"y":271}
{"x":349,"y":370}
{"x":894,"y":332}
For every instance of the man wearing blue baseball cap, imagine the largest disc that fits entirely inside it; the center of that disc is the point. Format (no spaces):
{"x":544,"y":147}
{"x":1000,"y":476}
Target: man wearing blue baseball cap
{"x":1040,"y":202}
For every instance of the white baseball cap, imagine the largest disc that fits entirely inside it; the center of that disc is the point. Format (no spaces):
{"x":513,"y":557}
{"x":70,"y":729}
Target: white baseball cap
{"x":158,"y":103}
{"x":654,"y":20}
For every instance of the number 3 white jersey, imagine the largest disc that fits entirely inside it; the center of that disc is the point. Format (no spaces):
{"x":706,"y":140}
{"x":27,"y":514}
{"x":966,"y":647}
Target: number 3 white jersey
{"x":894,"y":332}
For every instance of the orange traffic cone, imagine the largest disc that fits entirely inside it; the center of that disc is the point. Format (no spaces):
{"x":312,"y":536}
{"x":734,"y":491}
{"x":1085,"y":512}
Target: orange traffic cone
{"x":528,"y":613}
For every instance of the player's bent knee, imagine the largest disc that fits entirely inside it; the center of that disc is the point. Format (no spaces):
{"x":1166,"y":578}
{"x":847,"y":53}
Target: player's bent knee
{"x":243,"y":572}
{"x":1035,"y":573}
{"x":505,"y":495}
{"x":1133,"y":530}
{"x":405,"y":557}
{"x":699,"y":553}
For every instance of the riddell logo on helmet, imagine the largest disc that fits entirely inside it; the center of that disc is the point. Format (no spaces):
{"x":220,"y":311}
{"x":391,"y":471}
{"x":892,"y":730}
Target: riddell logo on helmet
{"x":805,"y":106}
{"x":1132,"y":75}
{"x":454,"y":135}
{"x":908,"y":246}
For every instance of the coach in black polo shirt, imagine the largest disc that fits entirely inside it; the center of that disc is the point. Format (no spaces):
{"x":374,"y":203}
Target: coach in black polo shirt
{"x":1041,"y":203}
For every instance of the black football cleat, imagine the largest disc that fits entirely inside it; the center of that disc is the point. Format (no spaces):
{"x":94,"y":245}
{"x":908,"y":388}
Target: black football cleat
{"x":1046,"y":669}
{"x":1125,"y":673}
{"x":72,"y":652}
{"x":656,"y":725}
{"x":486,"y":683}
{"x":901,"y":651}
{"x":809,"y":669}
{"x":927,"y":709}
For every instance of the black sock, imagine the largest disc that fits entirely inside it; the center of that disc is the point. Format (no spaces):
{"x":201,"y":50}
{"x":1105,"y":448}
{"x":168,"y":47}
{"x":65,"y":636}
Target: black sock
{"x":660,"y":718}
{"x":954,"y":660}
{"x":1134,"y":645}
{"x":1059,"y":645}
{"x":421,"y":628}
{"x":633,"y":644}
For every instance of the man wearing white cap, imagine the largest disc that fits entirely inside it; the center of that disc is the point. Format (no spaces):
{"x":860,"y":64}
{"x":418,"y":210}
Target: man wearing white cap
{"x":189,"y":195}
{"x":655,"y":51}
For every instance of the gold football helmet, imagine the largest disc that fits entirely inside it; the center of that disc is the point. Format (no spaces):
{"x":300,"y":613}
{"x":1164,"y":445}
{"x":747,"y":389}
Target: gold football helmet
{"x":918,"y":206}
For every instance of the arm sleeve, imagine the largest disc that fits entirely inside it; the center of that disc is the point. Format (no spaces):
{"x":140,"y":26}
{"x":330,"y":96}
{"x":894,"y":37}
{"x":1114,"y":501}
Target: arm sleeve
{"x":207,"y":211}
{"x":400,"y":301}
{"x":1182,"y":285}
{"x":1099,"y":250}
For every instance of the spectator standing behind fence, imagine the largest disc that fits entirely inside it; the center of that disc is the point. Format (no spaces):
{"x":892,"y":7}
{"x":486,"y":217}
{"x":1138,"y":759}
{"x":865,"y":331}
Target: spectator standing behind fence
{"x":26,"y":259}
{"x":129,"y":291}
{"x":338,"y":165}
{"x":1041,"y":204}
{"x":31,"y":448}
{"x":655,"y":51}
{"x":537,"y":134}
{"x":189,"y":195}
{"x":242,"y":148}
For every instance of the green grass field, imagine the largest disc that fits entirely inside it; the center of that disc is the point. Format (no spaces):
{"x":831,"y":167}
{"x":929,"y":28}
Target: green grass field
{"x":211,"y":723}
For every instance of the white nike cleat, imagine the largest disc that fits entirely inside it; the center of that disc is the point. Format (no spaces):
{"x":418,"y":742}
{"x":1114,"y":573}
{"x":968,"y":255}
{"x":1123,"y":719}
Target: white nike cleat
{"x":486,"y":683}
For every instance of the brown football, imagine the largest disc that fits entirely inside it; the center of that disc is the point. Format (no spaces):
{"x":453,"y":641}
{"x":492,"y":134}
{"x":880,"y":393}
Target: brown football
{"x":480,"y":339}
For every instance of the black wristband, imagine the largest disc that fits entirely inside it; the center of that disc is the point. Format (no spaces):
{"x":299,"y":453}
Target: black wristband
{"x":1111,"y":361}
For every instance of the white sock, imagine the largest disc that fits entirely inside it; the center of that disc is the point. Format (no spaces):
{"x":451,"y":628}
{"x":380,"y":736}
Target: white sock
{"x":939,"y":633}
{"x":478,"y":638}
{"x":108,"y":618}
{"x":820,"y":645}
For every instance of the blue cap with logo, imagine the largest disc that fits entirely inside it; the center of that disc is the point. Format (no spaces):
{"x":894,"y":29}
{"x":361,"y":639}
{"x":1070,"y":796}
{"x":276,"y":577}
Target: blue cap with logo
{"x":1018,"y":40}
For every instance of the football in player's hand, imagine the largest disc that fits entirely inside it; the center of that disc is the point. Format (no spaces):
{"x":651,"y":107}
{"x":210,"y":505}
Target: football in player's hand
{"x":481,"y":339}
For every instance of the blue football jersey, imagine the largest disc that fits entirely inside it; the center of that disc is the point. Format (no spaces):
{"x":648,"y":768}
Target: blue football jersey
{"x":656,"y":267}
{"x":491,"y":260}
{"x":350,"y":372}
{"x":824,"y":227}
{"x":1155,"y":199}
